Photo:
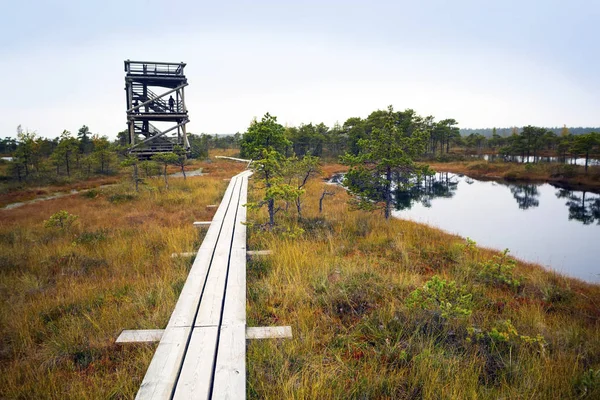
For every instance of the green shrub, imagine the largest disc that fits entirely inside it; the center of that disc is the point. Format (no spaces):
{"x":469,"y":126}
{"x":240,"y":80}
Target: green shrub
{"x":505,"y":336}
{"x":499,"y":271}
{"x":451,"y":300}
{"x":61,"y":220}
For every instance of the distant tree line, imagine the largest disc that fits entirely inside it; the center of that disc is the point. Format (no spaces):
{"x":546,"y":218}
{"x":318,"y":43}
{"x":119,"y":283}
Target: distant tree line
{"x":84,"y":154}
{"x":36,"y":158}
{"x":531,"y":142}
{"x":489,"y":132}
{"x":445,"y":137}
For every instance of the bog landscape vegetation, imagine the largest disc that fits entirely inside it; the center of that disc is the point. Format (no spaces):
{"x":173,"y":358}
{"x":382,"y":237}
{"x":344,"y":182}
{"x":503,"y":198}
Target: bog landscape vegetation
{"x":380,"y":307}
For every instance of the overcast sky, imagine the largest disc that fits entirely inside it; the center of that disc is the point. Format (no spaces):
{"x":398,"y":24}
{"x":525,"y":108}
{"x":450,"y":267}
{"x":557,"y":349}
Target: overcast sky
{"x":484,"y":63}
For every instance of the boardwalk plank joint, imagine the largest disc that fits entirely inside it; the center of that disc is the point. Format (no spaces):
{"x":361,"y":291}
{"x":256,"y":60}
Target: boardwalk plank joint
{"x":154,"y":335}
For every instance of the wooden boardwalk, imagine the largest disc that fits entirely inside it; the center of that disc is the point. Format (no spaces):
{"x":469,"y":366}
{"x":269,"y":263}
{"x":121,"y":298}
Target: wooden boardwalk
{"x":202,"y":352}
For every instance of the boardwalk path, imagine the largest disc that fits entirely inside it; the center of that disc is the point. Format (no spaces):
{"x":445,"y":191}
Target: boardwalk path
{"x":202,"y":353}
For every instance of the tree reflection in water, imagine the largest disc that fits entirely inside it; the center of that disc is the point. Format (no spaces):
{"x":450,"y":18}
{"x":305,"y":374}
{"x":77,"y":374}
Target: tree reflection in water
{"x":526,"y":195}
{"x":583,"y":206}
{"x":442,"y":184}
{"x":586,"y":210}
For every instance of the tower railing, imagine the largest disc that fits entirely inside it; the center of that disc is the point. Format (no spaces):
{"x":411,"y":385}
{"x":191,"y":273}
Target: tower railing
{"x":153,"y":68}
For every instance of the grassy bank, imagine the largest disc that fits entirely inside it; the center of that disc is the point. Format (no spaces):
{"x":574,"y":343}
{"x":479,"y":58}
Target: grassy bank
{"x":66,"y":293}
{"x":568,"y":176}
{"x":375,"y":315}
{"x":350,"y":284}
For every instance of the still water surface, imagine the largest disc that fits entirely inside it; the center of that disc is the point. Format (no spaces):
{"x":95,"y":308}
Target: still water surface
{"x":557,"y":228}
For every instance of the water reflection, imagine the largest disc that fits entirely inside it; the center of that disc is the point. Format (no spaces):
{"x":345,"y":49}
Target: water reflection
{"x":526,"y":195}
{"x":442,"y":184}
{"x":539,"y":223}
{"x":583,"y":206}
{"x":586,"y":210}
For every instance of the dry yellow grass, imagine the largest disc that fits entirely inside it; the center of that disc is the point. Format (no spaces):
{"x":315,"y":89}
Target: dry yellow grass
{"x":65,"y":295}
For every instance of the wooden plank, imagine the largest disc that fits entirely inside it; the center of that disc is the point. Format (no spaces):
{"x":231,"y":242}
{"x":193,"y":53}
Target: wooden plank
{"x":163,"y":371}
{"x":195,"y":378}
{"x":230,"y":371}
{"x":186,"y":254}
{"x":234,"y":311}
{"x":162,"y":374}
{"x":202,"y":223}
{"x":259,"y":252}
{"x":209,"y":312}
{"x":154,"y":335}
{"x":269,"y":332}
{"x":140,"y":336}
{"x":189,"y":299}
{"x":193,"y":381}
{"x":230,"y":367}
{"x":173,"y":373}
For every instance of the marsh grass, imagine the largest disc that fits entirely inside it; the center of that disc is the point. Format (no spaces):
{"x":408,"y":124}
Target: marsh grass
{"x":66,"y":294}
{"x":371,"y":320}
{"x":344,"y":285}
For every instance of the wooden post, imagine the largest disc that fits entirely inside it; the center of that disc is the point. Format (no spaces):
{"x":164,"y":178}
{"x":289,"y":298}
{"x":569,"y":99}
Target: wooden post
{"x":145,"y":94}
{"x":186,"y":141}
{"x":131,"y":122}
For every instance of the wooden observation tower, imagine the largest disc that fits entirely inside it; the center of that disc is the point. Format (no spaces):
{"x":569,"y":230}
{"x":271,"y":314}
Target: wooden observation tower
{"x":166,"y":110}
